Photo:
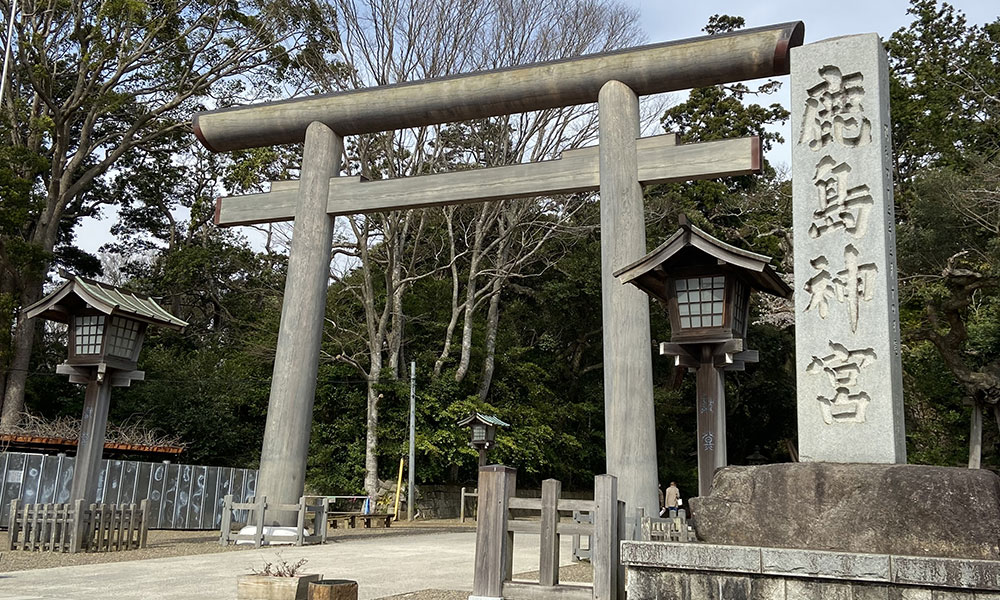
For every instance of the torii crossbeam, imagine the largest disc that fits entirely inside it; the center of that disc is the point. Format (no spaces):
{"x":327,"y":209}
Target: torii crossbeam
{"x":659,"y":161}
{"x":614,"y":80}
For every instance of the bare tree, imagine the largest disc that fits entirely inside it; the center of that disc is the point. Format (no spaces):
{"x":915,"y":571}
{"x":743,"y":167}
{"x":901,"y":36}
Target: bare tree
{"x":482,"y":247}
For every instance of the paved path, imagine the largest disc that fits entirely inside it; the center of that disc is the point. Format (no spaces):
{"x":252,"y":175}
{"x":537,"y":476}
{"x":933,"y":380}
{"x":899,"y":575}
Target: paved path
{"x":382,"y":566}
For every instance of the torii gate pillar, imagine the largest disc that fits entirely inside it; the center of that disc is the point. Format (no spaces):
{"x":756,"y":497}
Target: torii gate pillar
{"x":629,"y":423}
{"x":296,"y":360}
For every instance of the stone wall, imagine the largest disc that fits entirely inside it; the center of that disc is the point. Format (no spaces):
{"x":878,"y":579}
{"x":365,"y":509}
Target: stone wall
{"x":674,"y":571}
{"x":439,"y":501}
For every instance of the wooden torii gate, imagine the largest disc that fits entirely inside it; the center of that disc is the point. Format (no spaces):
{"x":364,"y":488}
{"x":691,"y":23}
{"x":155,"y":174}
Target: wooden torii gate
{"x":618,"y":168}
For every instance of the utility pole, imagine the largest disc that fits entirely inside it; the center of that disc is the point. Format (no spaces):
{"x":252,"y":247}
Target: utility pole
{"x":413,"y":447}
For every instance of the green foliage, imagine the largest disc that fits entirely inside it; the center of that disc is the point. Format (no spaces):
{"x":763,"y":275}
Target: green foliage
{"x":210,"y":384}
{"x":944,"y":97}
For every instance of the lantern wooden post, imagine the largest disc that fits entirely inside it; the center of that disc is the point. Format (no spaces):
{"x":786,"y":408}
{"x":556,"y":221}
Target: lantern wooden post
{"x":705,"y":285}
{"x":106,"y":329}
{"x":93,"y":427}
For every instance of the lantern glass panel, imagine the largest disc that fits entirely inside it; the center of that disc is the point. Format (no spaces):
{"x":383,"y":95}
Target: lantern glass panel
{"x":123,"y":334}
{"x":478,"y":433}
{"x":89,"y":332}
{"x":700,"y":301}
{"x":740,"y":309}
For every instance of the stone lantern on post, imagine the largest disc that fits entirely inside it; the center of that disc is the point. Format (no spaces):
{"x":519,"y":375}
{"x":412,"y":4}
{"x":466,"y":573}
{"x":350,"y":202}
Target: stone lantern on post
{"x":482,"y":432}
{"x":705,"y":285}
{"x":106,"y":330}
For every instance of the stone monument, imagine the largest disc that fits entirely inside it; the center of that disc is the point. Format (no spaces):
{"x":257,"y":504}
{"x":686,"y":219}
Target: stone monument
{"x":851,"y":520}
{"x":850,"y":386}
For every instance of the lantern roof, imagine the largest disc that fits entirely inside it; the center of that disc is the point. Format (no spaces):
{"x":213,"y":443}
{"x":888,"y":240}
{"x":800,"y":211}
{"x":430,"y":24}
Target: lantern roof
{"x":483,"y":419}
{"x":689,"y":246}
{"x":103,"y":297}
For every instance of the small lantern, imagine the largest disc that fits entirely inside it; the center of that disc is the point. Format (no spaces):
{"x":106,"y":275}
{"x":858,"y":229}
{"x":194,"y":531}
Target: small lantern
{"x":705,"y":285}
{"x":483,"y":431}
{"x":106,"y":324}
{"x":757,"y":458}
{"x":106,"y":329}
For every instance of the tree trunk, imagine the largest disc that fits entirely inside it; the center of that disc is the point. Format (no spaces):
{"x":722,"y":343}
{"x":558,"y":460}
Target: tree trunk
{"x":493,"y":315}
{"x":17,"y":377}
{"x":455,"y":311}
{"x":492,"y":322}
{"x":976,"y":436}
{"x":371,"y":438}
{"x":470,"y":295}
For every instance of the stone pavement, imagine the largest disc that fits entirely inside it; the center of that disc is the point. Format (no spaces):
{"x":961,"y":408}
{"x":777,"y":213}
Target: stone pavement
{"x":382,"y":566}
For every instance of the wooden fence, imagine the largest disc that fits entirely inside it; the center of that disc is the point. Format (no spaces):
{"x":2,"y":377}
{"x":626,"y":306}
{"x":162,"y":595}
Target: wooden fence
{"x":461,"y":508}
{"x":76,"y":527}
{"x":495,"y":538}
{"x":181,"y":496}
{"x":579,"y":551}
{"x":314,"y":515}
{"x":667,"y":529}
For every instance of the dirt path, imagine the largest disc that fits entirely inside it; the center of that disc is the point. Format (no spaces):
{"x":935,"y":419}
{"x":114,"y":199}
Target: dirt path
{"x":166,"y":543}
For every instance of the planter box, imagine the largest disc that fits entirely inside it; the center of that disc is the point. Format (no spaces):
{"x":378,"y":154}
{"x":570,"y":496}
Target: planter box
{"x":266,"y":587}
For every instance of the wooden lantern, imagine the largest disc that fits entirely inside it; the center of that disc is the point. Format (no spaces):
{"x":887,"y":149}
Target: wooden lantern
{"x":107,"y":325}
{"x":482,"y":432}
{"x":705,"y":285}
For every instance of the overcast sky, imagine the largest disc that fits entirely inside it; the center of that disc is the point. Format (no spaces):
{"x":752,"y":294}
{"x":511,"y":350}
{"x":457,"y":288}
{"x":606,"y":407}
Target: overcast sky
{"x":666,"y":20}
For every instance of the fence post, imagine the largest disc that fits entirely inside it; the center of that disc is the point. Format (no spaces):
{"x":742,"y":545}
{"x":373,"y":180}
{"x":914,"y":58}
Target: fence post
{"x":323,"y":519}
{"x":619,"y":567}
{"x":493,"y":545}
{"x":259,"y":510}
{"x":576,"y":538}
{"x":227,"y":519}
{"x":461,"y":507}
{"x":548,"y":562}
{"x":604,"y":543}
{"x":12,"y":529}
{"x":76,"y":542}
{"x":144,"y":505}
{"x":300,"y":522}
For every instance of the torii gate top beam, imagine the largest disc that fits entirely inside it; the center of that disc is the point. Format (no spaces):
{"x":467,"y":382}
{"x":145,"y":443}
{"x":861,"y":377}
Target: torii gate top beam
{"x":653,"y":69}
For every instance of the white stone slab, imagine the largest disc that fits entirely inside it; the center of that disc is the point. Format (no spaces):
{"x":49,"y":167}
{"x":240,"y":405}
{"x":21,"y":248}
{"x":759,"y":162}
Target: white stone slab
{"x":850,"y":401}
{"x":949,"y":572}
{"x":686,"y":555}
{"x":290,"y":532}
{"x":824,"y":565}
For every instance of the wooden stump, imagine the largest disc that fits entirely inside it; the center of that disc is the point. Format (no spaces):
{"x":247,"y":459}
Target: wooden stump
{"x":333,"y":589}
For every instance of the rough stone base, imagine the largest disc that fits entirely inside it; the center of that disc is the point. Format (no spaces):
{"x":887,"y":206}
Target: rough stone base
{"x":675,"y":571}
{"x":910,"y":510}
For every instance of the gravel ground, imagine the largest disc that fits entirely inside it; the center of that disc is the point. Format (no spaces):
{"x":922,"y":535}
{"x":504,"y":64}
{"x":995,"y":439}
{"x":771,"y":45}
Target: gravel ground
{"x":165,"y":543}
{"x":575,"y":573}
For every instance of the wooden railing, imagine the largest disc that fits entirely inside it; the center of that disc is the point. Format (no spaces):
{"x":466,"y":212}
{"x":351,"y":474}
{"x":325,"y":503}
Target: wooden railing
{"x":76,"y":527}
{"x":666,"y":529}
{"x":579,"y":552}
{"x":314,"y":515}
{"x":495,"y":538}
{"x":461,"y":510}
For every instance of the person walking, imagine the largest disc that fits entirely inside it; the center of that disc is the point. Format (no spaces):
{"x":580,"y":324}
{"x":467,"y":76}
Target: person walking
{"x":672,"y":498}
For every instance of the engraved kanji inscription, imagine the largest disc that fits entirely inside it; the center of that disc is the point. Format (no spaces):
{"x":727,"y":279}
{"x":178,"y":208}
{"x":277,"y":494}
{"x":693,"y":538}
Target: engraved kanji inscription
{"x":834,"y":112}
{"x":840,"y":205}
{"x":709,"y":441}
{"x":842,"y":367}
{"x":707,"y":404}
{"x":852,"y":285}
